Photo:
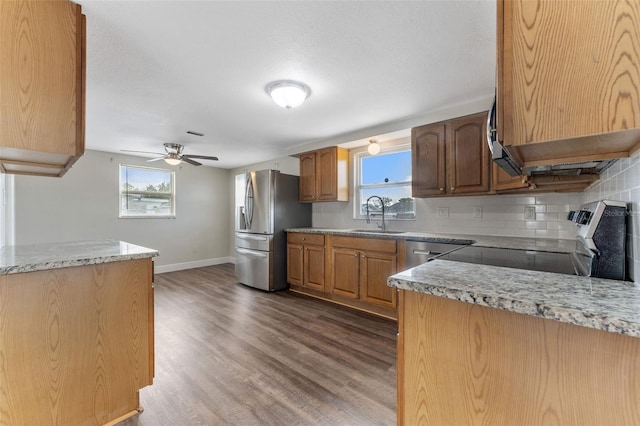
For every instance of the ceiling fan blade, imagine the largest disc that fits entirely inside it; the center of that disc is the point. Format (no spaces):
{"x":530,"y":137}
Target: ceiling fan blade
{"x":141,"y":152}
{"x":190,"y":161}
{"x":204,"y":157}
{"x":155,"y":159}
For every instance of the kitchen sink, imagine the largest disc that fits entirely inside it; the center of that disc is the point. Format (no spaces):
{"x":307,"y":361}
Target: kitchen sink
{"x":376,"y":231}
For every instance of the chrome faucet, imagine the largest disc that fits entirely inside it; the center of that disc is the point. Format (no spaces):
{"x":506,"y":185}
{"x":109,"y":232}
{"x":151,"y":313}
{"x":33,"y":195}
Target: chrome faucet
{"x":382,"y":227}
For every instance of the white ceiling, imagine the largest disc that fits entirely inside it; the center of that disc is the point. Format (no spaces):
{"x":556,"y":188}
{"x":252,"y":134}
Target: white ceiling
{"x":156,"y":69}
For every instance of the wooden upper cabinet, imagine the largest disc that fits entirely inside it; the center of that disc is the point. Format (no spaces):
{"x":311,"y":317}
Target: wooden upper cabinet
{"x":504,"y":181}
{"x":568,"y":79}
{"x":42,"y":86}
{"x":468,"y":155}
{"x":428,"y":150}
{"x":324,"y":175}
{"x":308,"y":176}
{"x":451,"y":157}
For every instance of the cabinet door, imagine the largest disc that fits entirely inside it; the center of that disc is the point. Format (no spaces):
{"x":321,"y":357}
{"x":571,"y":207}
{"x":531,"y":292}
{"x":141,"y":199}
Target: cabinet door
{"x":568,"y":69}
{"x":314,"y":267}
{"x":468,"y":155}
{"x":504,"y":181}
{"x":346,"y":272}
{"x":41,"y":40}
{"x":375,"y":269}
{"x":326,"y":174}
{"x":308,"y":177}
{"x":42,"y":82}
{"x":428,"y":160}
{"x":295,"y":265}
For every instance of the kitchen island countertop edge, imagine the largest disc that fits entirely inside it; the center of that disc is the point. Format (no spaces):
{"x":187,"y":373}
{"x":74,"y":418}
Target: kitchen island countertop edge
{"x":602,"y":304}
{"x":39,"y":257}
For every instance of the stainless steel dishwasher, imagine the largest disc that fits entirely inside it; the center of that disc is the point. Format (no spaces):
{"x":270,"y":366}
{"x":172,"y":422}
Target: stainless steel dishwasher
{"x":419,"y":252}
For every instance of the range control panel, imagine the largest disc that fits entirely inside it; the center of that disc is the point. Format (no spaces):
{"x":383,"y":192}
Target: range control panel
{"x":589,"y":215}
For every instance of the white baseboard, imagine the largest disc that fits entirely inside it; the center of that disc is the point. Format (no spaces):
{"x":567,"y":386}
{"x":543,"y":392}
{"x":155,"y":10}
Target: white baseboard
{"x":194,"y":264}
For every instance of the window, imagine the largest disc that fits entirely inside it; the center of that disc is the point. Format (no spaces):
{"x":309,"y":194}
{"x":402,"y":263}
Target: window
{"x":146,"y":192}
{"x":387,"y":175}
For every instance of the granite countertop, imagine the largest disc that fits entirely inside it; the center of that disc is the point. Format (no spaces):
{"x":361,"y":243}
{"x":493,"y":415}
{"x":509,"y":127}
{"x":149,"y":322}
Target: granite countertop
{"x":40,"y":257}
{"x":520,"y":243}
{"x":601,"y":304}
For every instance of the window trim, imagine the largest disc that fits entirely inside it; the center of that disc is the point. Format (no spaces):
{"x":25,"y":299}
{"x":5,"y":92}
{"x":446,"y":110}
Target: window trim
{"x":172,"y":173}
{"x":357,"y":186}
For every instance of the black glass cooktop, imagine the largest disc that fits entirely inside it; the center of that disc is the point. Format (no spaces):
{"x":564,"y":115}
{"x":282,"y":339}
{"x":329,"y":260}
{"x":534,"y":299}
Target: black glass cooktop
{"x":519,"y":259}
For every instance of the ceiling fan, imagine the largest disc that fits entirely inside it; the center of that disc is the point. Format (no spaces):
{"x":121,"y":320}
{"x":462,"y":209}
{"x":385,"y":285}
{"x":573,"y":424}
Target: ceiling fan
{"x":173,"y":155}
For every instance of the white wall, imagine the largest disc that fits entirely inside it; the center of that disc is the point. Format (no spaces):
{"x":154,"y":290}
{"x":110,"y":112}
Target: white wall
{"x":622,"y":182}
{"x":83,"y":205}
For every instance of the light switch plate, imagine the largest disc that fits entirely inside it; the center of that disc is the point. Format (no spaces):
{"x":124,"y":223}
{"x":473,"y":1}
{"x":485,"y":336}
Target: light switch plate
{"x":477,"y":212}
{"x":443,"y":211}
{"x":530,"y":212}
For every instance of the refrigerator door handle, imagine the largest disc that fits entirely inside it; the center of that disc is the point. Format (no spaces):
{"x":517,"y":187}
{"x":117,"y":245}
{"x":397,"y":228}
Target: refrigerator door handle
{"x":251,"y":253}
{"x":250,"y":237}
{"x":248,"y":202}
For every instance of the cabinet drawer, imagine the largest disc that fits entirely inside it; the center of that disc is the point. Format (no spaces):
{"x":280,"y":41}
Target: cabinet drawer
{"x":302,"y":238}
{"x":368,"y":244}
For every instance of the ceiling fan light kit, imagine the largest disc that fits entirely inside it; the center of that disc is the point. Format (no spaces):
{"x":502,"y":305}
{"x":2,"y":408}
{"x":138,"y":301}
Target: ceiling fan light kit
{"x":172,"y":159}
{"x":288,"y":93}
{"x":173,"y":155}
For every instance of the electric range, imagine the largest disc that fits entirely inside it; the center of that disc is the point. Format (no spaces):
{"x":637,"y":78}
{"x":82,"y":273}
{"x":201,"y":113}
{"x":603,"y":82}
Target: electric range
{"x":599,"y":251}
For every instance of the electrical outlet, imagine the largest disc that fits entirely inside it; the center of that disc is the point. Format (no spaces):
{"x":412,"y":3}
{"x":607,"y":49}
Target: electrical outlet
{"x":477,"y":212}
{"x":443,"y":211}
{"x":530,"y":212}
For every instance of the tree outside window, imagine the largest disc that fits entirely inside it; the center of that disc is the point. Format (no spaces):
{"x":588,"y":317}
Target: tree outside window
{"x":146,"y":192}
{"x":387,"y":175}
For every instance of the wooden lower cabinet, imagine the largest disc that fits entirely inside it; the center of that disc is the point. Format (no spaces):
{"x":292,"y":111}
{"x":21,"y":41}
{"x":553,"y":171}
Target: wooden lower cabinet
{"x":351,"y":271}
{"x":346,"y":272}
{"x":76,"y":344}
{"x":464,"y":364}
{"x":306,"y":260}
{"x":375,"y":269}
{"x":295,"y":263}
{"x":314,"y":267}
{"x":360,"y":268}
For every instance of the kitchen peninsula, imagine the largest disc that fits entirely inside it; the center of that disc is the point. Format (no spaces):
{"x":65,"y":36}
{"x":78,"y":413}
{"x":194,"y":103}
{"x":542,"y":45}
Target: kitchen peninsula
{"x":76,"y":332}
{"x":481,"y":344}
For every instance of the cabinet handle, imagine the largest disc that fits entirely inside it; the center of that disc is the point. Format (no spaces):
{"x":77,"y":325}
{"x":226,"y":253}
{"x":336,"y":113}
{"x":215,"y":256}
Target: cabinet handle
{"x":363,"y":256}
{"x":441,"y":189}
{"x":453,"y":188}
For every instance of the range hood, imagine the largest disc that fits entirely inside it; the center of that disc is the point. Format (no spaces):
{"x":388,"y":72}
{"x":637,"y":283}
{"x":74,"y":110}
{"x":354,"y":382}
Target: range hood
{"x":508,"y":160}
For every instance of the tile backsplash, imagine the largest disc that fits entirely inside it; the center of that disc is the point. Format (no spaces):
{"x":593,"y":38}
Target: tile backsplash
{"x":527,"y":215}
{"x":537,"y":216}
{"x":621,"y":182}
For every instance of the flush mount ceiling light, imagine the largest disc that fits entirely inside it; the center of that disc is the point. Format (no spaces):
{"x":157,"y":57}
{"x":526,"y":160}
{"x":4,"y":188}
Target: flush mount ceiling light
{"x":374,"y":147}
{"x":287,"y":93}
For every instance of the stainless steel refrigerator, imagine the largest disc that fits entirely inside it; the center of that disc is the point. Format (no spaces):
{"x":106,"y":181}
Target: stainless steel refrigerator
{"x":266,"y":204}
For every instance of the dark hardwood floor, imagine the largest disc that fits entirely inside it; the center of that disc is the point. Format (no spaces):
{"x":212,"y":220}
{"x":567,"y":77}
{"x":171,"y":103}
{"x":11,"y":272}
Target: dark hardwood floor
{"x":227,"y":354}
